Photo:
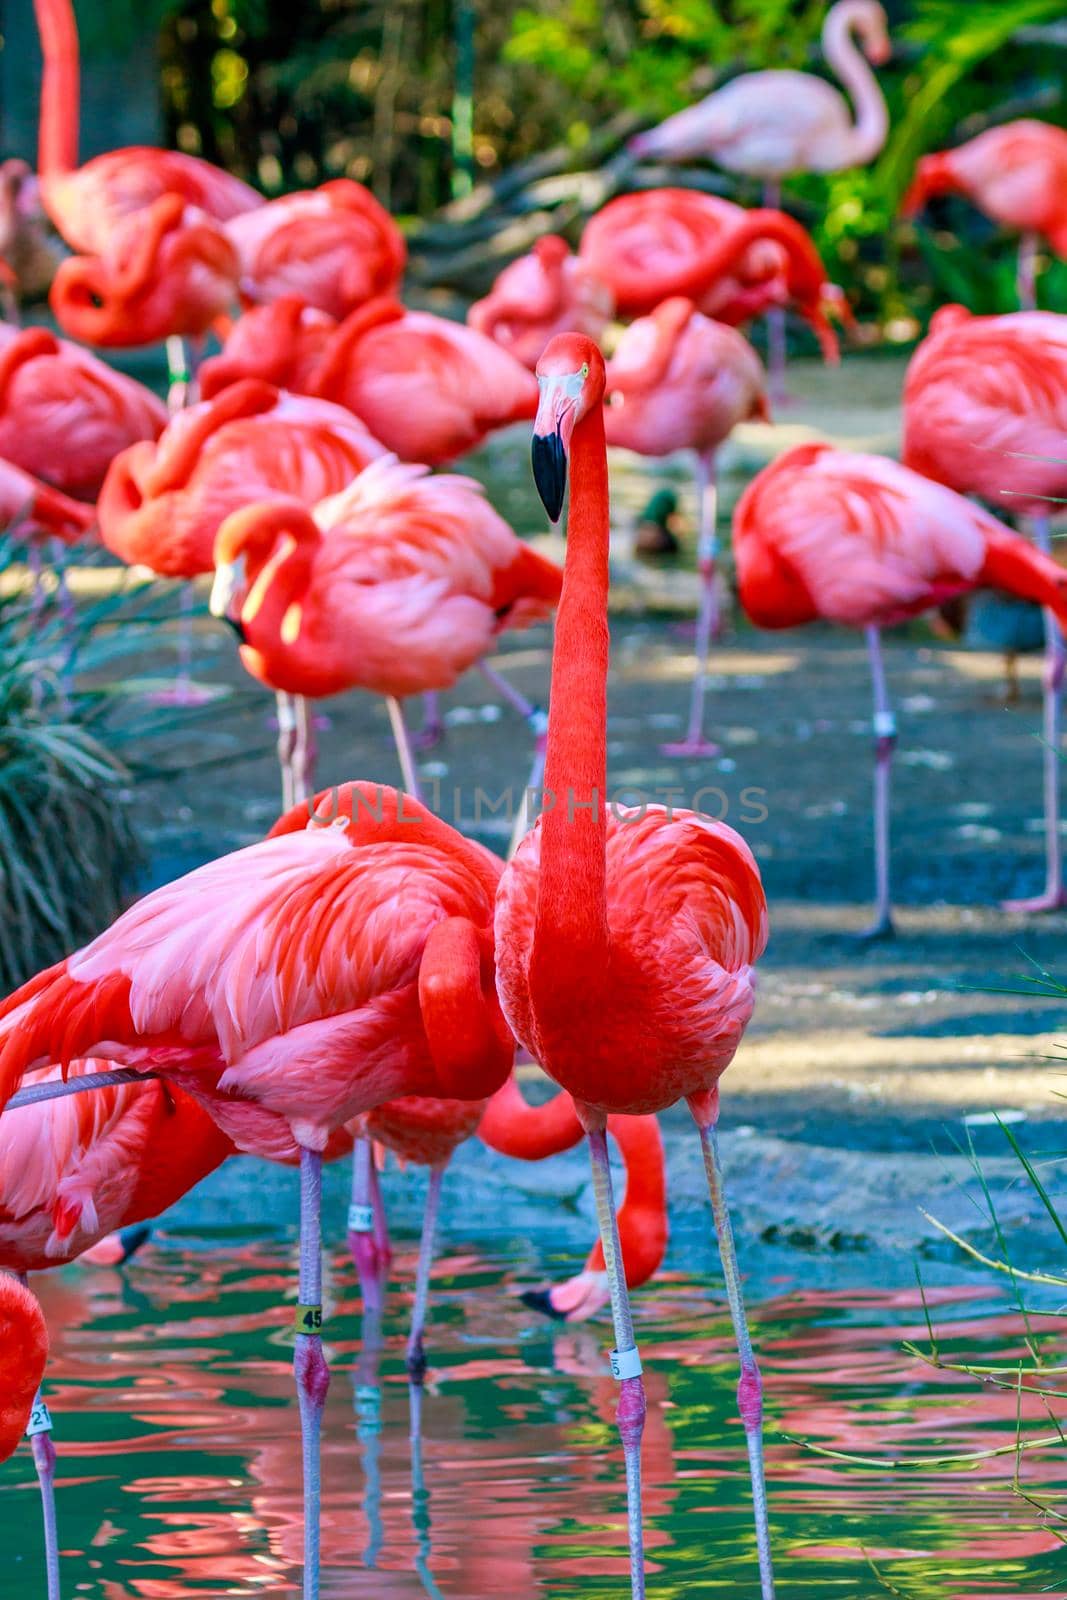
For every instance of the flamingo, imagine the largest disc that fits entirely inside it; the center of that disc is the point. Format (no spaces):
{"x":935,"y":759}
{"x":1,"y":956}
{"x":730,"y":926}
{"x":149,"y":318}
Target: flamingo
{"x":87,"y":204}
{"x":430,"y":389}
{"x":863,"y":541}
{"x":771,"y":124}
{"x":334,"y":246}
{"x":512,"y":1126}
{"x":549,"y":291}
{"x":732,"y":263}
{"x":27,"y":505}
{"x":398,"y":584}
{"x":23,"y":1356}
{"x":308,"y":977}
{"x":1017,"y":175}
{"x":679,"y":381}
{"x":625,"y":942}
{"x":64,"y":415}
{"x":985,"y":411}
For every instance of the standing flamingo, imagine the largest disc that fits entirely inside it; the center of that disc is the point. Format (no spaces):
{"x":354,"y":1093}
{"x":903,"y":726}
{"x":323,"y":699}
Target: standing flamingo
{"x":335,"y":247}
{"x":863,"y":541}
{"x":549,"y":291}
{"x":1017,"y":175}
{"x":625,"y":943}
{"x":398,"y":584}
{"x":64,"y":415}
{"x":321,"y":972}
{"x":514,"y":1127}
{"x":985,"y":411}
{"x":87,"y":204}
{"x":732,"y":263}
{"x":679,"y":381}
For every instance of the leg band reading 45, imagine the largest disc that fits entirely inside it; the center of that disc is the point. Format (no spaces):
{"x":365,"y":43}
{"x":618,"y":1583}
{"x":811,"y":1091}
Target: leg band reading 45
{"x":308,"y":1319}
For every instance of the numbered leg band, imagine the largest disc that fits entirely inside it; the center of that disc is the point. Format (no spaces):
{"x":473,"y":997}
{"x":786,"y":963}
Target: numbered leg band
{"x":625,"y":1364}
{"x":360,"y":1219}
{"x":308,"y":1319}
{"x":40,"y":1420}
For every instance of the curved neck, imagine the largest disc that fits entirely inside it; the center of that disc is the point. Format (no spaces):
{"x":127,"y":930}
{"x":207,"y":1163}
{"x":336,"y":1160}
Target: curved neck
{"x":570,"y":946}
{"x":671,"y":320}
{"x":852,"y":69}
{"x":57,"y":138}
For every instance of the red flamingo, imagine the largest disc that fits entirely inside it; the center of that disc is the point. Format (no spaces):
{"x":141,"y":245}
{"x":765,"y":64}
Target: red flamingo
{"x":334,"y":246}
{"x":319,"y":972}
{"x":428,"y":388}
{"x":514,"y":1127}
{"x":985,"y":411}
{"x":88,"y":203}
{"x":398,"y":585}
{"x":23,"y":1356}
{"x":679,"y":381}
{"x":860,"y":540}
{"x":549,"y":291}
{"x":1017,"y":175}
{"x":625,"y":941}
{"x":64,"y":415}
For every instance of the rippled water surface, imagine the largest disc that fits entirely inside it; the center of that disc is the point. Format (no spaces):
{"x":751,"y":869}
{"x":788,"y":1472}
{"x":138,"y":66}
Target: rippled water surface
{"x":179,"y":1465}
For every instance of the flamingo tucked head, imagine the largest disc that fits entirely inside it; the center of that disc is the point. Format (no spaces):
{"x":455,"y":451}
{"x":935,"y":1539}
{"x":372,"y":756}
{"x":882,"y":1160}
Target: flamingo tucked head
{"x":571,"y":379}
{"x":263,"y":550}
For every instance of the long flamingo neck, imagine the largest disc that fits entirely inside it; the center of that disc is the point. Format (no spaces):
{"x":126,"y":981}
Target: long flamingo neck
{"x":57,"y":140}
{"x":852,"y":69}
{"x":570,"y":932}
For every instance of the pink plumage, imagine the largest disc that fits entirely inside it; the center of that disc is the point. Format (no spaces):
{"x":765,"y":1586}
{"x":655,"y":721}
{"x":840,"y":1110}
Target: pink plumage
{"x":548,"y":291}
{"x":1016,"y":174}
{"x":30,"y":507}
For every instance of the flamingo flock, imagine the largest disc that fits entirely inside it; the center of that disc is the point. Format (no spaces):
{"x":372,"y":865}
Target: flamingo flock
{"x":360,"y":980}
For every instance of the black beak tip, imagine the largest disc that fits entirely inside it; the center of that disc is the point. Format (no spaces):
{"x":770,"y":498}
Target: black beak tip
{"x":540,"y":1300}
{"x":238,"y":627}
{"x":550,"y":472}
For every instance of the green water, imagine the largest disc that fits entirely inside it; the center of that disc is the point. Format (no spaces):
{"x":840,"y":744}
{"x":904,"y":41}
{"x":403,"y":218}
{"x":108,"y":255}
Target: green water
{"x":179,"y":1467}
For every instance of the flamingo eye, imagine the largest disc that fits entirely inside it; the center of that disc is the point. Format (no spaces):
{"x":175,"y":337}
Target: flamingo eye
{"x":585,"y":370}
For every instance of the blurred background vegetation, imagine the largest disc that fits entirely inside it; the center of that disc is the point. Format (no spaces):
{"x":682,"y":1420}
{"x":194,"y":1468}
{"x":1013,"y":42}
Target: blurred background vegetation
{"x":423,"y":98}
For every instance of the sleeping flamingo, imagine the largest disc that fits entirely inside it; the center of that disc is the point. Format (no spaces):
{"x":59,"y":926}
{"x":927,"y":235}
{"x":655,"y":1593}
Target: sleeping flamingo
{"x":398,"y":585}
{"x":28,"y":507}
{"x":861,"y":540}
{"x":64,"y":415}
{"x":334,"y":246}
{"x":625,"y":943}
{"x":320,"y":972}
{"x":549,"y":291}
{"x":87,"y":204}
{"x":679,"y":381}
{"x":1017,"y":175}
{"x":430,"y":389}
{"x":732,"y":263}
{"x":985,"y":411}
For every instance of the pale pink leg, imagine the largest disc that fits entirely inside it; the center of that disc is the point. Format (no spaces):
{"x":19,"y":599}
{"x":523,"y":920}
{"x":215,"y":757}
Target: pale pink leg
{"x":416,"y":1354}
{"x":885,"y":738}
{"x":1053,"y":897}
{"x":39,"y":1433}
{"x":371,"y":1262}
{"x":694,"y":743}
{"x":538,"y":723}
{"x":305,"y":750}
{"x":750,"y":1385}
{"x":630,"y":1414}
{"x":775,"y":319}
{"x":309,"y":1363}
{"x":184,"y":692}
{"x":287,"y":737}
{"x":404,"y":749}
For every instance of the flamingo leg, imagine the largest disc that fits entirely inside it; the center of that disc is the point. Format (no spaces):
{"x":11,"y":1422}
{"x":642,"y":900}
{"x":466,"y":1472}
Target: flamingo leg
{"x":404,"y":747}
{"x":432,"y":731}
{"x":179,"y":377}
{"x":286,"y":746}
{"x":305,"y":749}
{"x":750,"y":1385}
{"x":626,"y":1362}
{"x":538,"y":722}
{"x":371,"y":1262}
{"x":1053,"y":896}
{"x":694,"y":743}
{"x":44,"y":1460}
{"x":775,"y":317}
{"x":1026,"y":272}
{"x":368,"y":1398}
{"x":416,"y":1354}
{"x":309,"y":1364}
{"x":885,"y":738}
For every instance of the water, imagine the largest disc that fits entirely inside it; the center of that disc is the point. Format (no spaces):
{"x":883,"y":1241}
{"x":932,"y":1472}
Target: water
{"x":179,"y":1470}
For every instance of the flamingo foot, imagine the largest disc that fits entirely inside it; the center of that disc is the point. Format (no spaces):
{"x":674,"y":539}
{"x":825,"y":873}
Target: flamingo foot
{"x":881,"y":929}
{"x":429,"y":736}
{"x":691,"y":746}
{"x":1049,"y":900}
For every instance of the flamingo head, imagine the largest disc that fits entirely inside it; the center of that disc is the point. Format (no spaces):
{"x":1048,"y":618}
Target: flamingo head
{"x":571,"y":378}
{"x":263,"y":550}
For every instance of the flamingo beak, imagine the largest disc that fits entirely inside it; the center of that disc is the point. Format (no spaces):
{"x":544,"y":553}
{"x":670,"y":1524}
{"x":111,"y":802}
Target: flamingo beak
{"x":228,"y":579}
{"x":553,"y":427}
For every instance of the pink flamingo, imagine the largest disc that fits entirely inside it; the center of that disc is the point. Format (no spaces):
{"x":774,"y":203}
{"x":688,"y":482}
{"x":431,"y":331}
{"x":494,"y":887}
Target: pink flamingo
{"x":27,"y":506}
{"x":64,"y":415}
{"x":23,"y":1357}
{"x":679,"y":381}
{"x":334,"y":246}
{"x":1017,"y":175}
{"x":398,"y":585}
{"x":320,"y":972}
{"x":625,"y":938}
{"x":549,"y":291}
{"x":985,"y":411}
{"x":861,"y":540}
